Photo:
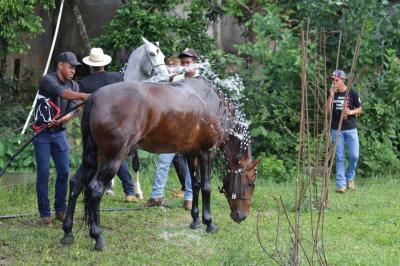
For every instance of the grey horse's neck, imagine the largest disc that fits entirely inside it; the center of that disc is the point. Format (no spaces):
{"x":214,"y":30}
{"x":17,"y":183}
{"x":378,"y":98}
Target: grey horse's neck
{"x":133,"y":71}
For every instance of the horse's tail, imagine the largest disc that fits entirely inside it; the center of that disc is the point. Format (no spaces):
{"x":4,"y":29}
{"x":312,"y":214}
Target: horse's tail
{"x":89,"y":154}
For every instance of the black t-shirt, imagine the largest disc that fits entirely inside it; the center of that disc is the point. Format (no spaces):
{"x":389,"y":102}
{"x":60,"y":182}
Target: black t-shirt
{"x":353,"y":102}
{"x":97,"y":80}
{"x":51,"y":90}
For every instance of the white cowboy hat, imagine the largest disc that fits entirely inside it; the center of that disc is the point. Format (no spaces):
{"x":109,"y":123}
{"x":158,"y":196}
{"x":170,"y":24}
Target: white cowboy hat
{"x":97,"y":58}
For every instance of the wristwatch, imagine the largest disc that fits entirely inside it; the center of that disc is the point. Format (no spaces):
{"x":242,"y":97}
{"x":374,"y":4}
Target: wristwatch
{"x":351,"y":112}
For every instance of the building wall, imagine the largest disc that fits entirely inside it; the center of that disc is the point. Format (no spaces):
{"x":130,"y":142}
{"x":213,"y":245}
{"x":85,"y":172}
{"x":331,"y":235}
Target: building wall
{"x":96,"y":14}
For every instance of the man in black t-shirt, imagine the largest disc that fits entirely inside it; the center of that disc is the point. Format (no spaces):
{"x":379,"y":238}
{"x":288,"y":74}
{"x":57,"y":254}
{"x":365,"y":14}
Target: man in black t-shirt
{"x":346,"y":100}
{"x":97,"y":60}
{"x":57,"y":92}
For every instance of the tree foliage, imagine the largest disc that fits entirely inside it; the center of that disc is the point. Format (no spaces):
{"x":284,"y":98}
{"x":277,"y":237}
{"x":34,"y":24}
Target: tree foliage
{"x":157,"y":21}
{"x":273,"y":77}
{"x":18,"y":19}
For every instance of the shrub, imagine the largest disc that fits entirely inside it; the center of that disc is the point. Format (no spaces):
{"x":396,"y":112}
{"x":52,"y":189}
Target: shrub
{"x":272,"y":169}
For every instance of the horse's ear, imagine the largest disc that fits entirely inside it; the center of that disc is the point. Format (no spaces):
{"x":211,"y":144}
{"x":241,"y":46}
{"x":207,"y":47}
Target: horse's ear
{"x":145,"y":41}
{"x":157,"y":44}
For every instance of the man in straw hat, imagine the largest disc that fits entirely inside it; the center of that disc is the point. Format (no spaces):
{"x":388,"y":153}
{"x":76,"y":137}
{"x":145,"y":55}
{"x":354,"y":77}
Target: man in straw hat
{"x":339,"y":97}
{"x":97,"y":60}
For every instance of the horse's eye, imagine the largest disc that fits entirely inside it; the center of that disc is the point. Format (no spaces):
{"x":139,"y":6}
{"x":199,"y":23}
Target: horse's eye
{"x":152,"y":54}
{"x":251,"y":184}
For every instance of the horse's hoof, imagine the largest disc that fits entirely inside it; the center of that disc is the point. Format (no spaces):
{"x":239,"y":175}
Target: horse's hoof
{"x":139,"y":196}
{"x":211,"y":228}
{"x":195,"y":225}
{"x":67,"y":240}
{"x":100,"y":244}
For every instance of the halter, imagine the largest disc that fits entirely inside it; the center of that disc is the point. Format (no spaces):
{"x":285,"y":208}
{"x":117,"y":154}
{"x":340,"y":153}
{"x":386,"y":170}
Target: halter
{"x":153,"y":67}
{"x":237,"y":192}
{"x":149,"y":73}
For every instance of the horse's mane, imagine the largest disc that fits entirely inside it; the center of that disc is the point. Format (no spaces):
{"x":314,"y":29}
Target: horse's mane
{"x":134,"y":54}
{"x":233,"y":118}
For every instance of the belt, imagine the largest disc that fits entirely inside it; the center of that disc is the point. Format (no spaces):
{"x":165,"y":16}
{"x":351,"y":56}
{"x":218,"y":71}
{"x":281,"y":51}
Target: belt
{"x":55,"y":130}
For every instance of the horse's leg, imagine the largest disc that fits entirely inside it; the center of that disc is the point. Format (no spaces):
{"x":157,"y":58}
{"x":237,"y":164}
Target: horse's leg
{"x":192,"y":162}
{"x":110,"y":188}
{"x":136,"y":168}
{"x":94,"y":193}
{"x":205,"y":169}
{"x":75,"y":188}
{"x":179,"y":164}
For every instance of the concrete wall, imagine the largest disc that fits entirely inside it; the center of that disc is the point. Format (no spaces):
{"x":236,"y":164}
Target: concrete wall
{"x":96,"y":14}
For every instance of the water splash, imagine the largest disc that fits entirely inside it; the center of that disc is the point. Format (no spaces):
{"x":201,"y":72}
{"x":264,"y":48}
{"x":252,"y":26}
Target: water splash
{"x":231,"y":94}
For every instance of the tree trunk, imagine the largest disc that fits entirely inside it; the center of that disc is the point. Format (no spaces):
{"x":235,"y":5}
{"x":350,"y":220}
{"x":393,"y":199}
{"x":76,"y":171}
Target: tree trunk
{"x":3,"y":57}
{"x":249,"y":13}
{"x":81,"y":24}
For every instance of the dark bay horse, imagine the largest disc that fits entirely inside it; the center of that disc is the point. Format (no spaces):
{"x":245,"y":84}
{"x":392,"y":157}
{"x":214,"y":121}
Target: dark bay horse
{"x":190,"y":117}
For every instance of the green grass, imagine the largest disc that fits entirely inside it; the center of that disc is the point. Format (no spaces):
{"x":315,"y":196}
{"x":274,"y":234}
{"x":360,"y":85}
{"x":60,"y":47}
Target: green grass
{"x":361,"y":228}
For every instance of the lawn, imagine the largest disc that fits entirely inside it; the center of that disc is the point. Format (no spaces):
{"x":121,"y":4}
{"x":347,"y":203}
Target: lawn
{"x":361,"y":228}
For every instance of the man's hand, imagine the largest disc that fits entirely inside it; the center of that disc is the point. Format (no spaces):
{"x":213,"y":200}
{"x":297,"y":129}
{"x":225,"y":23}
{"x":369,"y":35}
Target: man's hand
{"x":54,"y":124}
{"x":190,"y":72}
{"x":332,"y":91}
{"x":85,"y":96}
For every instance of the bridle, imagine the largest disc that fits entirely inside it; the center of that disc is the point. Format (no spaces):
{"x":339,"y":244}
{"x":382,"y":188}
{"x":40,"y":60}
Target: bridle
{"x":153,"y":66}
{"x":237,"y":192}
{"x":148,"y":74}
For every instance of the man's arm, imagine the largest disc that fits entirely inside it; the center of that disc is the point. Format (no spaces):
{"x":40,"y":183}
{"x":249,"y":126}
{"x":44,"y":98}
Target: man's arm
{"x":357,"y":105}
{"x":355,"y":111}
{"x":331,"y":93}
{"x":50,"y":85}
{"x":72,"y":95}
{"x":55,"y":123}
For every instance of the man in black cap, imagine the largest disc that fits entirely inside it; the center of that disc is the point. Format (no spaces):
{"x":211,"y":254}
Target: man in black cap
{"x":342,"y":97}
{"x":188,"y":57}
{"x":57,"y":92}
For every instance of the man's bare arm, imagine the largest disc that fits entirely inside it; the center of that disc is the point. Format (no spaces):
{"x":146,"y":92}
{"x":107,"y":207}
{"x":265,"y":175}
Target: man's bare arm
{"x":72,"y":95}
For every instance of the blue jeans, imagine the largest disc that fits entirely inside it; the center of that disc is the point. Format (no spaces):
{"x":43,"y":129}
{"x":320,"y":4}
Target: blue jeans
{"x":350,"y":138}
{"x":126,"y":179}
{"x":54,"y":144}
{"x":160,"y":179}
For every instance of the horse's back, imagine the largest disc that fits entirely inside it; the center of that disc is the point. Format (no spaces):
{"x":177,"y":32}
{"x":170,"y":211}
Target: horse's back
{"x":161,"y":117}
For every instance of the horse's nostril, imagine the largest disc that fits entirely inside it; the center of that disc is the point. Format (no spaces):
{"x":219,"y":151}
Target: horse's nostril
{"x":238,"y":216}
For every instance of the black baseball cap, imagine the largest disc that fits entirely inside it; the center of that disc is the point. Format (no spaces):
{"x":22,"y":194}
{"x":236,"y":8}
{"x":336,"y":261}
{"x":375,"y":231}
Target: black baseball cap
{"x":188,"y":52}
{"x":68,"y":57}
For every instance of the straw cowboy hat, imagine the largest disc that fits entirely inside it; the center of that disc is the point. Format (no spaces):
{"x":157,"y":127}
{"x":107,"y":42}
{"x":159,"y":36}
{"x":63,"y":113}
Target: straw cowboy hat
{"x":97,"y":58}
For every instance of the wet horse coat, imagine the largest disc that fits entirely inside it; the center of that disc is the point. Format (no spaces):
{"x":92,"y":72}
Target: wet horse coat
{"x":186,"y":122}
{"x":188,"y":117}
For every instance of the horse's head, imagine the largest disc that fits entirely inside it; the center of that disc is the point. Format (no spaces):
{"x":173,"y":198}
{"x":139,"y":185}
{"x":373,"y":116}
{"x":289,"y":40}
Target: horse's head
{"x":240,"y":181}
{"x":153,"y":63}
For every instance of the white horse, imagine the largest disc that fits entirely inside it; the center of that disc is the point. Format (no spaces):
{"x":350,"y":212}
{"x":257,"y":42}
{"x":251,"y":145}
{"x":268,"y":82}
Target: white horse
{"x":145,"y":63}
